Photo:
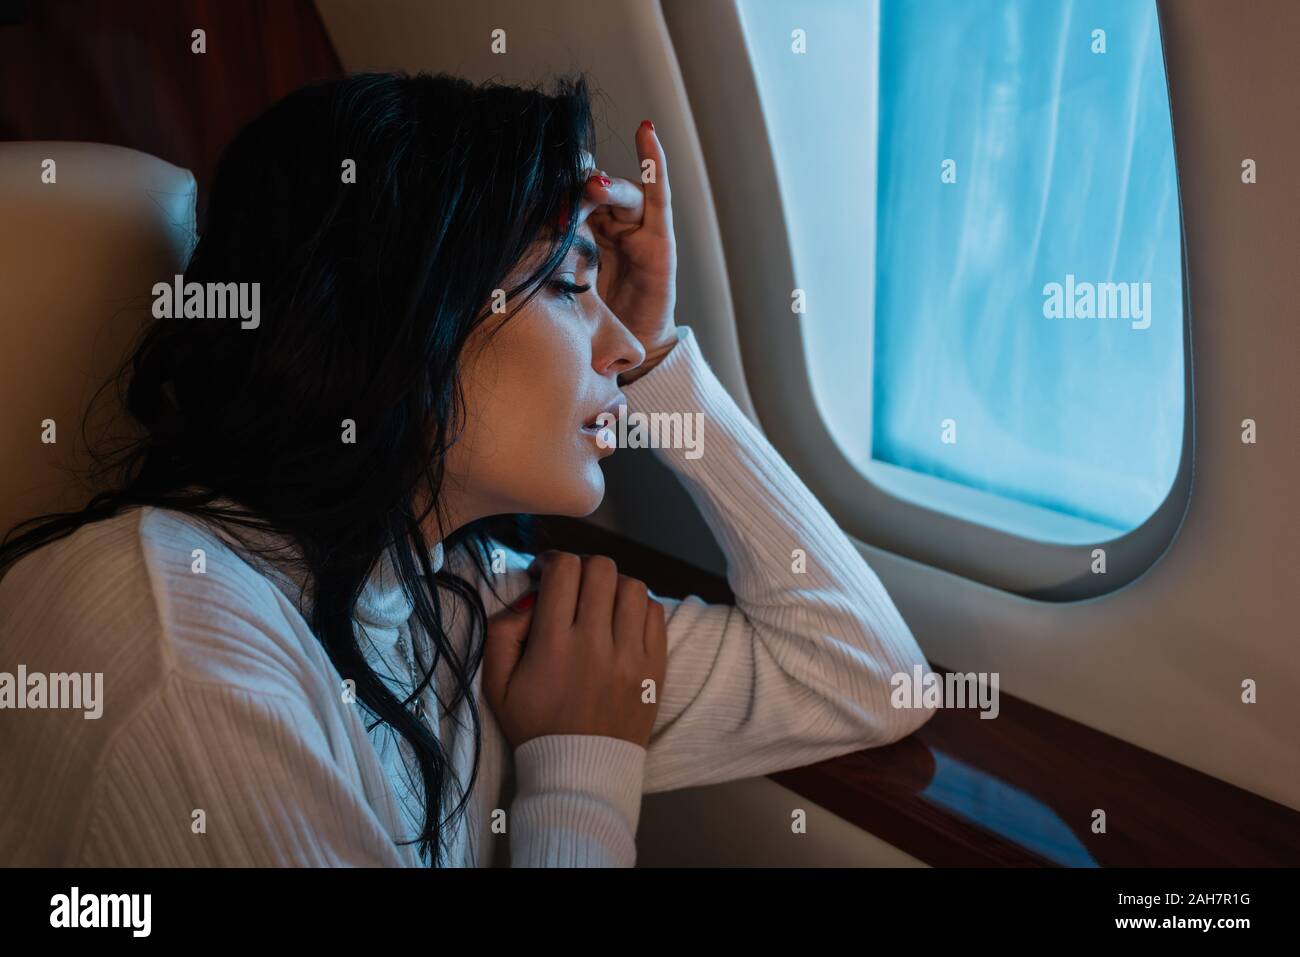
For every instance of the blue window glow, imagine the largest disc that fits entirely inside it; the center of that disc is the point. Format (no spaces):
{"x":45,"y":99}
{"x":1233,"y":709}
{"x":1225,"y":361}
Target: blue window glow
{"x":1007,"y":153}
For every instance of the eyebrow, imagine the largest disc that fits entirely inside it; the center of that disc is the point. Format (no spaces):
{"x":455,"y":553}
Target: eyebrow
{"x":588,"y":250}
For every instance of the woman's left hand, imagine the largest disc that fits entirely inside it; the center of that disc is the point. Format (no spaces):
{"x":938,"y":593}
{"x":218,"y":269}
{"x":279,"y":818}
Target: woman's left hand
{"x":633,"y":226}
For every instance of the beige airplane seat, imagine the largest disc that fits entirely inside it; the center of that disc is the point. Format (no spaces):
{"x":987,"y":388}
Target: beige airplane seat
{"x":85,"y":231}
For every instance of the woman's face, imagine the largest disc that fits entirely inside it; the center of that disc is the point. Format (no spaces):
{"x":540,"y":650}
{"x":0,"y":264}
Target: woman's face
{"x":533,"y":385}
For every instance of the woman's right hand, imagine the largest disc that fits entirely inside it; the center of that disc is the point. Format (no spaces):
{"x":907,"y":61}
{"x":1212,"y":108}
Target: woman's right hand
{"x":576,"y":661}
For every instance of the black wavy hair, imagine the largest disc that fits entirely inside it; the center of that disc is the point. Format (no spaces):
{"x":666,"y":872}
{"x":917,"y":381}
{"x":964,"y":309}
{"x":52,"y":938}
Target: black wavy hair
{"x":369,"y":291}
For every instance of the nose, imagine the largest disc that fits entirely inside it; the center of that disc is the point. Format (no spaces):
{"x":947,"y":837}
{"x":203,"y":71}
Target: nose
{"x":615,"y":350}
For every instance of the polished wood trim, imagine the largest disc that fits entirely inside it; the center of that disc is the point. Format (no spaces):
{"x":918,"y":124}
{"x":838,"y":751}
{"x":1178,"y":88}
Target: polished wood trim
{"x":122,"y":72}
{"x":1019,"y":790}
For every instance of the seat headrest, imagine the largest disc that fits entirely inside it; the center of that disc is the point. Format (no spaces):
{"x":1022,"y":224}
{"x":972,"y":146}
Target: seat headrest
{"x":85,"y":231}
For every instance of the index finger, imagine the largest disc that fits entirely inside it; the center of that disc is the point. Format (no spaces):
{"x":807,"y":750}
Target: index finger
{"x":557,"y":594}
{"x":623,"y":200}
{"x":658,"y":196}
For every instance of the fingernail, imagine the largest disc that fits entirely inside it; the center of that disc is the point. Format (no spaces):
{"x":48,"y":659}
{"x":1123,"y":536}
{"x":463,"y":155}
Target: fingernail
{"x":604,"y":181}
{"x":647,"y":123}
{"x":525,"y":601}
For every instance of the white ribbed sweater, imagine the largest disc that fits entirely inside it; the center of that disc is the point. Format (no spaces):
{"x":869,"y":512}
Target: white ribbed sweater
{"x":217,"y":698}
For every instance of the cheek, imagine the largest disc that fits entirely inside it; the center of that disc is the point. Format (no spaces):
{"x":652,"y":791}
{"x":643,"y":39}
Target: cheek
{"x":522,"y":435}
{"x":538,"y":376}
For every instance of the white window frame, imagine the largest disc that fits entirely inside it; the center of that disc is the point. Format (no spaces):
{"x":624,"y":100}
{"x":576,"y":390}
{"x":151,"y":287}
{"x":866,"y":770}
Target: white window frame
{"x":925,"y":518}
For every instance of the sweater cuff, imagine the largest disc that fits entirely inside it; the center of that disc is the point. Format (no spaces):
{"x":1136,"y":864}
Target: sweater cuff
{"x":657,"y":387}
{"x":588,"y":784}
{"x":685,"y":387}
{"x":685,"y":384}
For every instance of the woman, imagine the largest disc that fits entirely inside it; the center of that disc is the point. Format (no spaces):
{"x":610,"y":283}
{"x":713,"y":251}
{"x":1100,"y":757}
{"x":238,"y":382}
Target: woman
{"x":289,"y":592}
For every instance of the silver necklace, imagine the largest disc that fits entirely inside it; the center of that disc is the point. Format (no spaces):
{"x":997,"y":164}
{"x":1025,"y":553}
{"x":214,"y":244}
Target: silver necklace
{"x":407,"y":644}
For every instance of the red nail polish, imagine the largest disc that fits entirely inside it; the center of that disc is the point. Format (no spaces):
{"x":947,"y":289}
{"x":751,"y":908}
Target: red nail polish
{"x":525,"y":601}
{"x":605,"y":181}
{"x":647,"y":123}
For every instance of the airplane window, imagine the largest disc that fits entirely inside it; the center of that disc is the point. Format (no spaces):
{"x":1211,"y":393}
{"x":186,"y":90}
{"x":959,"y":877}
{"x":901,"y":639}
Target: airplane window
{"x":984,"y":218}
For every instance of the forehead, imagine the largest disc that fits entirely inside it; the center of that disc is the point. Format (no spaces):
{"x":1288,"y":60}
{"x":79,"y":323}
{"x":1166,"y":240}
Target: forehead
{"x":539,"y":248}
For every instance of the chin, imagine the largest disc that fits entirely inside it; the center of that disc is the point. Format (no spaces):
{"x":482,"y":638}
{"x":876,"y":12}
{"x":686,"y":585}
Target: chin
{"x":592,"y":494}
{"x":578,"y":497}
{"x":589,"y":492}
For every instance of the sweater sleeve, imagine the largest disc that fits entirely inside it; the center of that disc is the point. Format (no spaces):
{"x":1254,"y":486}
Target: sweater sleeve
{"x":269,"y":793}
{"x":800,"y":669}
{"x":577,"y":801}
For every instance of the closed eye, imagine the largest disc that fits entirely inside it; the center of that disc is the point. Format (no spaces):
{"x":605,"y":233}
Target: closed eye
{"x":567,"y":290}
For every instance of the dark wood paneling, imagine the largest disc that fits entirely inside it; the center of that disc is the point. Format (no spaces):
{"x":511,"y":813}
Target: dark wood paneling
{"x":1017,"y":790}
{"x":122,"y":72}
